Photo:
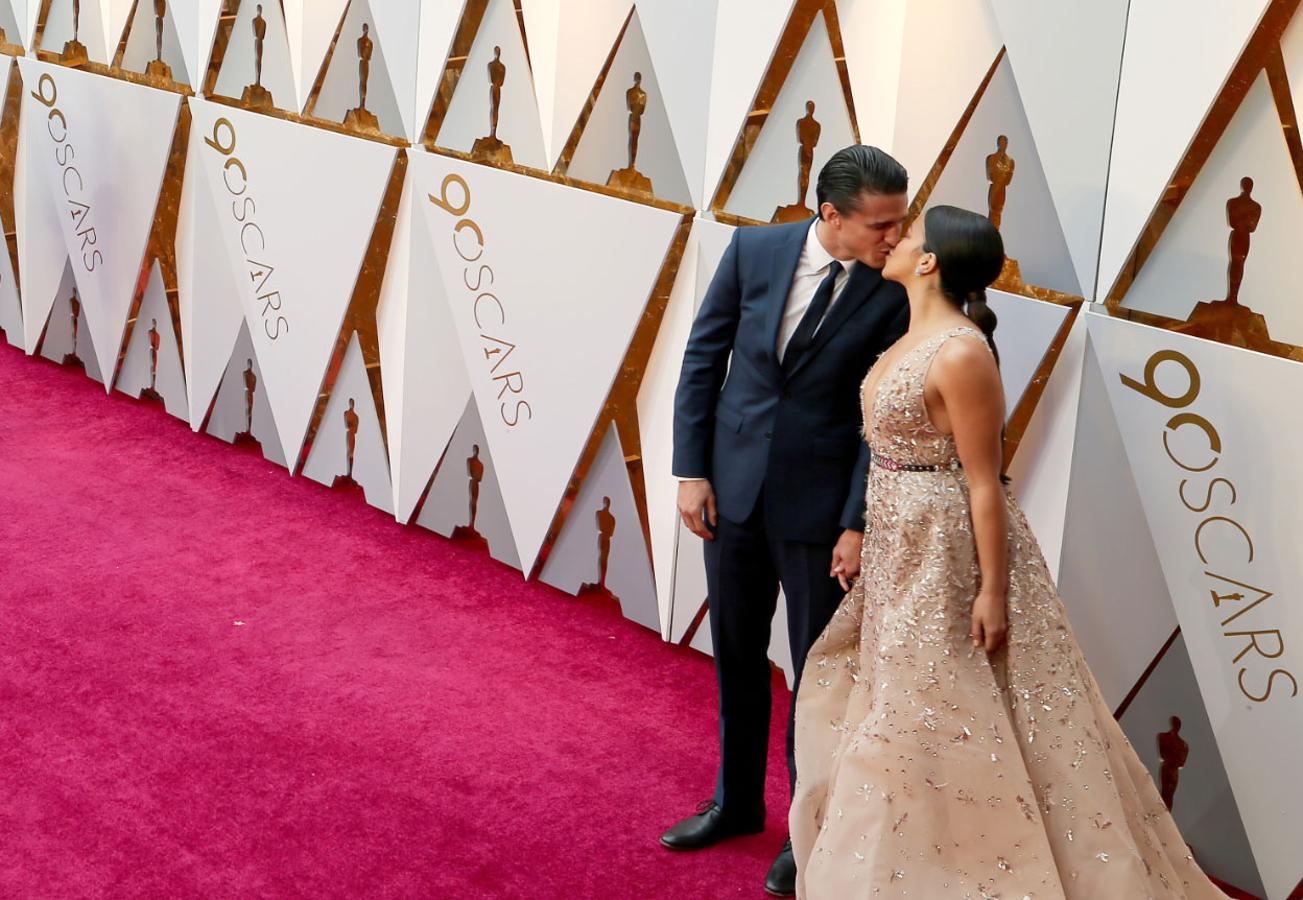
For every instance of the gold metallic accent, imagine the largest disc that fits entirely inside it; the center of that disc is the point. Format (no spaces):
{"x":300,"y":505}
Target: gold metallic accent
{"x":795,"y":32}
{"x":1223,"y":321}
{"x":585,"y":113}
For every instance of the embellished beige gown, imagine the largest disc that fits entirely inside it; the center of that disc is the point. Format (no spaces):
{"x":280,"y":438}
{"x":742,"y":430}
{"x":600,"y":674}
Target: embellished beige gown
{"x":926,"y":768}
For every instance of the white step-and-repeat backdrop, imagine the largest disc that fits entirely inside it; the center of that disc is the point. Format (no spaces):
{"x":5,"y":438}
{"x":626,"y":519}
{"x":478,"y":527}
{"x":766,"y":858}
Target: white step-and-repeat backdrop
{"x":446,"y":253}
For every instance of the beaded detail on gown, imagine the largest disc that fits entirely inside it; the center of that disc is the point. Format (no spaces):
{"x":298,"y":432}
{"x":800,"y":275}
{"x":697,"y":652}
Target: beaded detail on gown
{"x":926,"y":768}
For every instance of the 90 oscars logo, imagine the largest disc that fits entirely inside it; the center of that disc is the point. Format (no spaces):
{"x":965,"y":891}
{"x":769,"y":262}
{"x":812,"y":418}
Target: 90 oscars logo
{"x":235,"y":177}
{"x":468,"y":241}
{"x":1211,"y":498}
{"x":47,"y":94}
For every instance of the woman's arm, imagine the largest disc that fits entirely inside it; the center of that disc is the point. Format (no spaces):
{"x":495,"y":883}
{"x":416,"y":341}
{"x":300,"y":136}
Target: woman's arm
{"x":967,"y":383}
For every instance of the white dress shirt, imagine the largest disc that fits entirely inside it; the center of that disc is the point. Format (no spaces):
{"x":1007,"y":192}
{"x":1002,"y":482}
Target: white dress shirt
{"x":811,"y":269}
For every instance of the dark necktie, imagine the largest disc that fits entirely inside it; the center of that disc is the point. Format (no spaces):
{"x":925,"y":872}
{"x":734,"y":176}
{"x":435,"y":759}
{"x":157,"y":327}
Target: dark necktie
{"x":804,"y":334}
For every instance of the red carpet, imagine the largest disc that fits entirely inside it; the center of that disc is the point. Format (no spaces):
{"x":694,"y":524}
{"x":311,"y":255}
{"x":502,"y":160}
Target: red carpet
{"x":397,"y":716}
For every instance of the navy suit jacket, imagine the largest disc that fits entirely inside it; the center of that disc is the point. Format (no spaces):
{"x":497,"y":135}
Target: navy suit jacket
{"x":743,"y":423}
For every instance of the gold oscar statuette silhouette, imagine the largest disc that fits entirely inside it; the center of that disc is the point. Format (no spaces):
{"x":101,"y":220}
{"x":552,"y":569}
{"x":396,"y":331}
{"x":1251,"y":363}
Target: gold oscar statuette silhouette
{"x":808,"y":130}
{"x":350,"y":436}
{"x":4,"y":39}
{"x":74,"y":51}
{"x":256,"y":96}
{"x":1229,"y":321}
{"x":157,"y":69}
{"x":74,"y":305}
{"x":475,"y":471}
{"x":1173,"y":751}
{"x":629,"y":178}
{"x":362,"y":119}
{"x":605,"y":531}
{"x":250,"y":386}
{"x":489,"y":148}
{"x":155,"y":341}
{"x":999,"y":175}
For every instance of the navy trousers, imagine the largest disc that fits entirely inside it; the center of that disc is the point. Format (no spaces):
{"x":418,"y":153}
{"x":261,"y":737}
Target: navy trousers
{"x":744,"y":568}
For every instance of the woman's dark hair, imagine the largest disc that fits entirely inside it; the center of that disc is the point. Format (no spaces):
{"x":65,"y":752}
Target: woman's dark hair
{"x":855,"y":170}
{"x":970,"y":255}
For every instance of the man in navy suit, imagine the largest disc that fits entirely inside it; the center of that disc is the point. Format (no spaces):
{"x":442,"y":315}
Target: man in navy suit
{"x":768,"y":451}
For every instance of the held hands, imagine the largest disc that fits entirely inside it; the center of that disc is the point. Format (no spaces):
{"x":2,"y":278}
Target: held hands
{"x":697,"y":507}
{"x":846,"y":557}
{"x":990,"y":621}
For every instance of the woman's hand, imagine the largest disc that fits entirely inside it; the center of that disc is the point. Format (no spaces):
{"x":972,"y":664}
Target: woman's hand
{"x":846,"y":557}
{"x":990,"y":621}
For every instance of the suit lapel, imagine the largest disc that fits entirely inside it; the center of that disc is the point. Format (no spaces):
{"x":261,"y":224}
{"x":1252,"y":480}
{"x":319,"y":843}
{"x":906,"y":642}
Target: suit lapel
{"x":863,"y":282}
{"x":786,"y":257}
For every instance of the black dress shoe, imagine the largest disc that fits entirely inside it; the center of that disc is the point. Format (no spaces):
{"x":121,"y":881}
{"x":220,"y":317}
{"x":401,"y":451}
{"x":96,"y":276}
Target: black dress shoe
{"x":781,"y":880}
{"x":710,"y":826}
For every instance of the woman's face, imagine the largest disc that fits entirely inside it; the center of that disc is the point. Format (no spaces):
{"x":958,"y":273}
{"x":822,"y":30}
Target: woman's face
{"x":904,"y":258}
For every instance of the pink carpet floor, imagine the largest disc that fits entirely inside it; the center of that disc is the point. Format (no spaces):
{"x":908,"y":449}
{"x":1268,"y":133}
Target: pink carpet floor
{"x":397,"y":716}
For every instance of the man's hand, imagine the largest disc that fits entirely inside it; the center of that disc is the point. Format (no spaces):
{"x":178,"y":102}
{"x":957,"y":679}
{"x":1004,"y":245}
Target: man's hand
{"x":990,"y":622}
{"x":697,"y":507}
{"x":846,"y":557}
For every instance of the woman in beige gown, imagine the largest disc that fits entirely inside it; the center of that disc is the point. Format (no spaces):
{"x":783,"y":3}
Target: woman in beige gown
{"x":938,"y":757}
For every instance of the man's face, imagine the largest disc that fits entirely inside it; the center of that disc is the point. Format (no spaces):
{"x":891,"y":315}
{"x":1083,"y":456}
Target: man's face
{"x":870,"y":231}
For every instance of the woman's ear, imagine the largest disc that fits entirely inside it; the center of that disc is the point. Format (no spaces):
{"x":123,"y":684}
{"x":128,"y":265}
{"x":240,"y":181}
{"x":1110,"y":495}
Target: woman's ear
{"x":926,"y":264}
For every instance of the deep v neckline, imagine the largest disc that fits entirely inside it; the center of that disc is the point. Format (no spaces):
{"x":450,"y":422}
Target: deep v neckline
{"x":871,"y":400}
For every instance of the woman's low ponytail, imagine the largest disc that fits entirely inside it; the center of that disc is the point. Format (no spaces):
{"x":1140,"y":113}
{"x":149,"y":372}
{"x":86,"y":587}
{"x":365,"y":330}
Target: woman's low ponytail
{"x":983,"y":317}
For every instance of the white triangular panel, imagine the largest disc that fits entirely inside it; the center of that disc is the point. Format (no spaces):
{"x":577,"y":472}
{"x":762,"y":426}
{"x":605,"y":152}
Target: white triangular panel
{"x":421,"y":366}
{"x":340,"y":88}
{"x":91,"y":29}
{"x":1042,"y":464}
{"x":1104,"y":530}
{"x":769,"y":177}
{"x":196,"y":26}
{"x":604,"y":145}
{"x":328,"y":458}
{"x":1176,"y":58}
{"x":1189,"y":262}
{"x":207,"y":294}
{"x":11,"y":310}
{"x":114,"y":16}
{"x":538,"y":419}
{"x":67,"y":340}
{"x":705,"y":245}
{"x":1030,"y":225}
{"x":680,"y":36}
{"x":746,"y":33}
{"x":439,"y":22}
{"x":310,"y":26}
{"x":109,"y":214}
{"x":873,"y":33}
{"x":1069,"y":50}
{"x":928,"y":99}
{"x":144,"y":365}
{"x":1026,"y":331}
{"x":236,"y":410}
{"x":448,"y":504}
{"x":542,"y":22}
{"x":294,"y":290}
{"x":42,"y":253}
{"x":586,"y":36}
{"x":689,"y":590}
{"x":11,"y":25}
{"x":575,"y":559}
{"x":239,"y":64}
{"x":142,"y":43}
{"x":1227,"y":574}
{"x":468,"y":113}
{"x":398,"y":26}
{"x":28,"y":11}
